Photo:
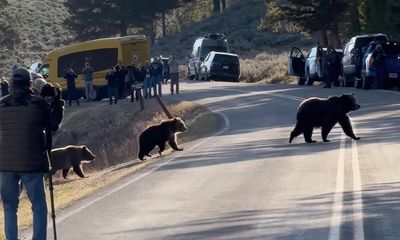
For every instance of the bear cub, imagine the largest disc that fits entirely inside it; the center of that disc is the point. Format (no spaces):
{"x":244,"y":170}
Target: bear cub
{"x":325,"y":113}
{"x":70,"y":157}
{"x":158,"y":135}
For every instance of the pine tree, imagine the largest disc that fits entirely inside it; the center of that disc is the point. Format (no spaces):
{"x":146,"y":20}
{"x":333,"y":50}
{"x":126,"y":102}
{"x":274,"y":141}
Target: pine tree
{"x":103,"y":18}
{"x":314,"y":16}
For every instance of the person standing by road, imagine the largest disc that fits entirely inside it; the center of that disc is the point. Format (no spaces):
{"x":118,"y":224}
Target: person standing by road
{"x":24,"y":121}
{"x":5,"y":87}
{"x":120,"y":72}
{"x":112,"y":85}
{"x":156,"y":70}
{"x":377,"y":64}
{"x":71,"y":76}
{"x":329,"y":63}
{"x":147,"y":80}
{"x":87,"y":72}
{"x":174,"y":74}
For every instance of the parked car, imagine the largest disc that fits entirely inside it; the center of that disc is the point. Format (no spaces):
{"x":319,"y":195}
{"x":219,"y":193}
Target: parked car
{"x":391,"y":53}
{"x":310,"y":69}
{"x":353,"y":56}
{"x":220,"y":66}
{"x":203,"y":46}
{"x":191,"y":68}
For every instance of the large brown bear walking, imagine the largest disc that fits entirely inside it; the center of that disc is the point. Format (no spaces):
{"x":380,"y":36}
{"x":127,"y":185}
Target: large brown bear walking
{"x":70,"y":157}
{"x":325,"y":113}
{"x":158,"y":135}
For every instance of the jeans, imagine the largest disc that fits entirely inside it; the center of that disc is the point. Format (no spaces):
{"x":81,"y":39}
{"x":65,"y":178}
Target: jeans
{"x":88,"y":90}
{"x":379,"y":77}
{"x":174,"y":82}
{"x":72,"y":95}
{"x":156,"y":82}
{"x":113,"y":92}
{"x":147,"y":87}
{"x":9,"y":189}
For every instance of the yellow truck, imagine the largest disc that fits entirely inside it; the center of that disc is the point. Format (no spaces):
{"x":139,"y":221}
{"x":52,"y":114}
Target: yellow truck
{"x":102,"y":54}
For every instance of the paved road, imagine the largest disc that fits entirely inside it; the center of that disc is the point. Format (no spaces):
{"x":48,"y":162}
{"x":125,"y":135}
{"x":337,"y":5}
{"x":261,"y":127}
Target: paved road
{"x":247,"y":182}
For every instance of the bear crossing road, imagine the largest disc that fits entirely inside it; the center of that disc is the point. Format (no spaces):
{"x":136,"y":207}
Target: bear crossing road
{"x":321,"y":112}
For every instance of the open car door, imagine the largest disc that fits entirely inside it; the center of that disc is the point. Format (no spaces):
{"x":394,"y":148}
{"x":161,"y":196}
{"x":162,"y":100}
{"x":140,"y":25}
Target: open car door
{"x":296,"y":63}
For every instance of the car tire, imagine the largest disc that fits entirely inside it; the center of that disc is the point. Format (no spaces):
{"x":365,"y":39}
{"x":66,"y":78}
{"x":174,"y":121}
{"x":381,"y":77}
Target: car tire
{"x":309,"y":79}
{"x":348,"y":80}
{"x":358,"y":83}
{"x":301,"y":80}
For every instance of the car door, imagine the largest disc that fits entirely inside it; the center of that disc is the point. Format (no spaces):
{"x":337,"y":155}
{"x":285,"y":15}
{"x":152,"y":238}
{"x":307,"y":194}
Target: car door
{"x":296,"y":62}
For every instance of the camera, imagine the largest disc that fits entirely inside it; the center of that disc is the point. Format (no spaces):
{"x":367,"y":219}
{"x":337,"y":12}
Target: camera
{"x":43,"y":88}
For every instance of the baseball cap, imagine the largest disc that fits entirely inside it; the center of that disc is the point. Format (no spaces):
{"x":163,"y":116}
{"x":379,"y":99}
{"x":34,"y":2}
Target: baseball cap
{"x":21,"y":76}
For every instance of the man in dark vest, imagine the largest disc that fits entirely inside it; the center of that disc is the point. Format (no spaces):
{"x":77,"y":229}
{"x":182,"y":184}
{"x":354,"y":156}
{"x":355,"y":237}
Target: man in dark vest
{"x":24,"y":121}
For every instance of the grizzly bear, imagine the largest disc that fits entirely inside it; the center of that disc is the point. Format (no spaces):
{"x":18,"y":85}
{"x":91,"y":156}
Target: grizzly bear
{"x":158,"y":135}
{"x":325,"y":113}
{"x":70,"y":156}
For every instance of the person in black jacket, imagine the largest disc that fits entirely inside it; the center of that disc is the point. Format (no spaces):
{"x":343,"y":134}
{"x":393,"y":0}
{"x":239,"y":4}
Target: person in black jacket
{"x":71,"y":76}
{"x":24,"y":145}
{"x":112,"y":84}
{"x":134,"y":78}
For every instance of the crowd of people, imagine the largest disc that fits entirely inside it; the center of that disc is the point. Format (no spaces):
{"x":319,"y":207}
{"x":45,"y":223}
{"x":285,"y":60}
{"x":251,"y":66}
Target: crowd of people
{"x":139,"y":81}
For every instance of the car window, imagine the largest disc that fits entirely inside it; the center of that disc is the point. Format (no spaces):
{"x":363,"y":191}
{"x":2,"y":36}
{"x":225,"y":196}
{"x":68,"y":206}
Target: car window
{"x":391,"y":49}
{"x":207,"y":49}
{"x":361,"y":42}
{"x":219,"y":58}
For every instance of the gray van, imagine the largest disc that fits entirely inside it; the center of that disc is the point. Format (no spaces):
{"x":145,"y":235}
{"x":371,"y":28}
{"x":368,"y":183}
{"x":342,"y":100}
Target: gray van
{"x":202,"y":47}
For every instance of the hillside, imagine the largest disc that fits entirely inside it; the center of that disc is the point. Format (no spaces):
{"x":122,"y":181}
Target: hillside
{"x":40,"y":25}
{"x":263,"y":54}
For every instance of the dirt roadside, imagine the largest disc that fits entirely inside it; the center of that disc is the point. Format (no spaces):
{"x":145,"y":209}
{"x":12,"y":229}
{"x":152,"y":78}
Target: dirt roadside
{"x":110,"y":132}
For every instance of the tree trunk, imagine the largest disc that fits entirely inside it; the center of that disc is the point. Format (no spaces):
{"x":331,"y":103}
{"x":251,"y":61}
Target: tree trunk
{"x":123,"y":28}
{"x":151,"y":31}
{"x":223,"y":3}
{"x":217,"y":6}
{"x":322,"y":38}
{"x":164,"y":27}
{"x":333,"y":35}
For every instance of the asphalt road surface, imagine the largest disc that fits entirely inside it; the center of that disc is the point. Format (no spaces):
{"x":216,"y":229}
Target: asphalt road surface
{"x":247,"y":182}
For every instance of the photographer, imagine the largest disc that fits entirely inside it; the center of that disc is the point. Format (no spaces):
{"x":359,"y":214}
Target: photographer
{"x":26,"y":123}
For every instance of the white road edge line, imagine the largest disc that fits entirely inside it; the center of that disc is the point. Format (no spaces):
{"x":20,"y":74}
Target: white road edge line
{"x":358,"y":232}
{"x":93,"y":201}
{"x":337,"y":205}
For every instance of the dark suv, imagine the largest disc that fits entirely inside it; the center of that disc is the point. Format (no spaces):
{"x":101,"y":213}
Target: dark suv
{"x":353,"y":56}
{"x":220,"y":66}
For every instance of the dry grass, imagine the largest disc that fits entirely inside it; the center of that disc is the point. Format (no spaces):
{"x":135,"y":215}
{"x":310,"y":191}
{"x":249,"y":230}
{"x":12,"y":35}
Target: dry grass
{"x":40,"y":25}
{"x":130,"y":122}
{"x":271,"y":68}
